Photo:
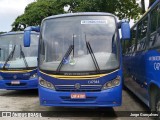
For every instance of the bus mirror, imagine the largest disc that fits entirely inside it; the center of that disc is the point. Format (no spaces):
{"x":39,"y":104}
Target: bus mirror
{"x":27,"y":35}
{"x":27,"y":38}
{"x":125,"y":29}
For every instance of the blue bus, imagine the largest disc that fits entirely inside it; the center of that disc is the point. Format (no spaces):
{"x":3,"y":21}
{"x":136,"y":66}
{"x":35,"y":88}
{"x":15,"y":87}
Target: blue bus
{"x":142,"y":58}
{"x":80,"y":59}
{"x":18,"y":64}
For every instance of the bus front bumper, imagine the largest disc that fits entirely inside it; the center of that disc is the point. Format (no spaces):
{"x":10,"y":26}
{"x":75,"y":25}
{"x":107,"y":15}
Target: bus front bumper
{"x":106,"y":98}
{"x":22,"y":85}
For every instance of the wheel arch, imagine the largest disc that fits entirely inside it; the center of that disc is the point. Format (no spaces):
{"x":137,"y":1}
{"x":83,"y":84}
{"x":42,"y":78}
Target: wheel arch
{"x":154,"y":90}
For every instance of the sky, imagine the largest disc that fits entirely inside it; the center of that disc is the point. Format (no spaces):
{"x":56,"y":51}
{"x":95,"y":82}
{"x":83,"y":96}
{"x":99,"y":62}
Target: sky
{"x":11,"y":9}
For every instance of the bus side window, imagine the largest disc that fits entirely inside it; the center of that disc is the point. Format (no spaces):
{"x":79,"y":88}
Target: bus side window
{"x":157,"y":43}
{"x":142,"y":44}
{"x":153,"y":17}
{"x":158,"y":12}
{"x":153,"y":26}
{"x":144,"y":27}
{"x":139,"y":35}
{"x":129,"y":44}
{"x":133,"y":37}
{"x":132,"y":49}
{"x":139,"y":31}
{"x":142,"y":33}
{"x":138,"y":46}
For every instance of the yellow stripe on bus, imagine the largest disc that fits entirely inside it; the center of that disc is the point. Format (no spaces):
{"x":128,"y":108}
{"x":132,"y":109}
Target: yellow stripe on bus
{"x":78,"y":77}
{"x":16,"y":71}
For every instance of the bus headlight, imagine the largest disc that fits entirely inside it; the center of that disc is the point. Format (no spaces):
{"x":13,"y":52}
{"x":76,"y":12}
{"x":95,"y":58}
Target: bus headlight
{"x":112,"y":83}
{"x":34,"y":76}
{"x":46,"y":84}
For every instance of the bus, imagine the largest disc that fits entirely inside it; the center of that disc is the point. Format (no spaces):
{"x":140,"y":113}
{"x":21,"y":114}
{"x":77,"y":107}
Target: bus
{"x":18,"y":64}
{"x":80,"y":59}
{"x":141,"y":58}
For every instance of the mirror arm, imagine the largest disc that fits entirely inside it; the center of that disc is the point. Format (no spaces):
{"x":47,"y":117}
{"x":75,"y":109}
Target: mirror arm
{"x":33,"y":28}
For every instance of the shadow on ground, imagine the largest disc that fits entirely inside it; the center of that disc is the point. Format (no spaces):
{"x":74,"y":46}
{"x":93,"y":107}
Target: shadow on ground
{"x":79,"y":112}
{"x":136,"y":99}
{"x":19,"y":93}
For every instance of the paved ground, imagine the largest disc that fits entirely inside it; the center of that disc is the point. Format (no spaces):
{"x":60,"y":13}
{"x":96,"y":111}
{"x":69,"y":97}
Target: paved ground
{"x":28,"y":101}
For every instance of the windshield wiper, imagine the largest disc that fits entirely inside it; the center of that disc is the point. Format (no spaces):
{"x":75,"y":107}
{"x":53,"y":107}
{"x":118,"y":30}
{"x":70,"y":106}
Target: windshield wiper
{"x":24,"y":58}
{"x":9,"y":57}
{"x":93,"y":56}
{"x":71,"y":47}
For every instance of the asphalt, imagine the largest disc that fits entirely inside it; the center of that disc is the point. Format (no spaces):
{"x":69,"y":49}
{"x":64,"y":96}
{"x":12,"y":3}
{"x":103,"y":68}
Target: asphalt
{"x":27,"y":101}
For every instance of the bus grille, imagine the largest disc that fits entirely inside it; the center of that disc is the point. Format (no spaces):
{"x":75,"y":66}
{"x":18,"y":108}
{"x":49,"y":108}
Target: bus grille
{"x":15,"y":77}
{"x":83,"y":88}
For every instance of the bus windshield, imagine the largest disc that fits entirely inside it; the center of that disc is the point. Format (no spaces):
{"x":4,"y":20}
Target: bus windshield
{"x":14,"y":56}
{"x":64,"y":44}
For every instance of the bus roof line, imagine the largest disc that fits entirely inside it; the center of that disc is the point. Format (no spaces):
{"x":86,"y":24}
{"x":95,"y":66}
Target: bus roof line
{"x":78,"y":14}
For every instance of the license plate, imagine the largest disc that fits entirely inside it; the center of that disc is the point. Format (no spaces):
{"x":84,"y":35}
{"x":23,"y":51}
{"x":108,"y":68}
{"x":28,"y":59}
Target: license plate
{"x":78,"y":96}
{"x":15,"y":82}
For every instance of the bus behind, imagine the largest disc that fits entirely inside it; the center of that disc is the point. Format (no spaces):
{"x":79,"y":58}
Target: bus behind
{"x":142,"y":58}
{"x":18,"y":64}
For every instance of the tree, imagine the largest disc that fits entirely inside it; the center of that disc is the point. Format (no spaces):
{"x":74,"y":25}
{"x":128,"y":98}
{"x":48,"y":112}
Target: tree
{"x":143,"y":6}
{"x":121,"y":8}
{"x":36,"y":11}
{"x":2,"y":32}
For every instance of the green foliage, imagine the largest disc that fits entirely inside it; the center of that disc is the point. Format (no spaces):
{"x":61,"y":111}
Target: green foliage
{"x":36,"y":11}
{"x":127,"y":9}
{"x":2,"y":32}
{"x":121,"y":8}
{"x":143,"y":6}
